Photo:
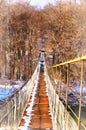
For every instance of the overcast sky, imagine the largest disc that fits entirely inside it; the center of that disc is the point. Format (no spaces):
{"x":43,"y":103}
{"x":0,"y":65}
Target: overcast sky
{"x":41,"y":3}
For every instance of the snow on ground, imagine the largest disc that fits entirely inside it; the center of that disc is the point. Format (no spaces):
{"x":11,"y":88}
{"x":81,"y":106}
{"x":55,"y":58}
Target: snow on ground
{"x":74,"y":90}
{"x":8,"y":87}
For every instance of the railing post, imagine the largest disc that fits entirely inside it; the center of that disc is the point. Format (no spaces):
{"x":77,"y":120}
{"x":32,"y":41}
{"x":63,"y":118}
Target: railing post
{"x":81,"y":87}
{"x":51,"y":73}
{"x":8,"y":116}
{"x":15,"y":109}
{"x":19,"y":111}
{"x":12,"y":113}
{"x":67,"y":86}
{"x":60,"y":81}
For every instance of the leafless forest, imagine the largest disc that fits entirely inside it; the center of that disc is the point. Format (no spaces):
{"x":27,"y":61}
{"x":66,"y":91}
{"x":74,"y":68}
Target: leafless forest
{"x":61,"y":27}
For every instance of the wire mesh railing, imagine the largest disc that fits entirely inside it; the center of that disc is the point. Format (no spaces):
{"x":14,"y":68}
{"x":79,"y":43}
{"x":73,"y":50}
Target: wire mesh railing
{"x":69,"y":81}
{"x":12,"y":109}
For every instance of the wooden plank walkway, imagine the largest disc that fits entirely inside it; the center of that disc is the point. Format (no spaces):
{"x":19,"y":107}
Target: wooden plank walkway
{"x":37,"y":114}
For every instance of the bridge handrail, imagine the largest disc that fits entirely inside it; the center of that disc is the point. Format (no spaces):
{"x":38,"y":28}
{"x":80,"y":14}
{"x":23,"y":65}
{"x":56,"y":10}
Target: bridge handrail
{"x":11,"y":110}
{"x":68,"y":62}
{"x":58,"y":68}
{"x":17,"y":90}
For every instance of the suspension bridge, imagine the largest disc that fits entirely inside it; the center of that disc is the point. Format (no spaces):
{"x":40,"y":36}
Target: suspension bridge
{"x":44,"y":103}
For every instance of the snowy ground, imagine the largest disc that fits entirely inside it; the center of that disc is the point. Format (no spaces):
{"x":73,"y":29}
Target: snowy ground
{"x":8,"y":87}
{"x":73,"y":92}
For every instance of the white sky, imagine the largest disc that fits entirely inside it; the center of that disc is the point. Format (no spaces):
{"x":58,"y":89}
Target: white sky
{"x":41,"y":3}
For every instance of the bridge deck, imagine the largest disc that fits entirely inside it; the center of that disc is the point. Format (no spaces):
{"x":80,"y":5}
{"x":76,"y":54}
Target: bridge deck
{"x":37,"y":114}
